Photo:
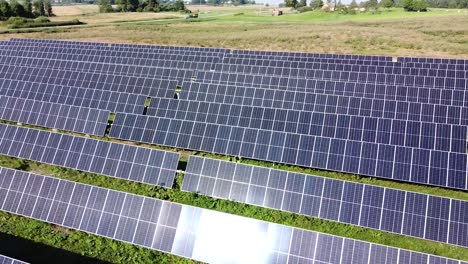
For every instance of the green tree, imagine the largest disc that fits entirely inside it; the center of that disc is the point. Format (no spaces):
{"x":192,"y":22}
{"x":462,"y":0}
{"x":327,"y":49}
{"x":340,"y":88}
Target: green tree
{"x":371,"y":4}
{"x":105,"y":6}
{"x":316,"y":4}
{"x":353,"y":5}
{"x":198,"y":2}
{"x":28,"y":8}
{"x":419,"y":5}
{"x":123,"y":5}
{"x":415,"y":5}
{"x":290,"y":3}
{"x":17,"y":9}
{"x":388,"y":3}
{"x":301,"y":3}
{"x":451,"y":4}
{"x":133,"y":5}
{"x":48,"y":8}
{"x":179,"y":5}
{"x":39,"y":8}
{"x":5,"y":9}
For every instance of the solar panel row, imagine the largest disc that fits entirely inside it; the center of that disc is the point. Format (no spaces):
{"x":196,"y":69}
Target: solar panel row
{"x":282,"y":55}
{"x":107,"y":158}
{"x":112,"y":68}
{"x":341,"y":72}
{"x":433,"y":60}
{"x":367,"y":129}
{"x":293,"y":62}
{"x":183,"y":230}
{"x":399,"y":92}
{"x":390,"y":92}
{"x":272,"y":67}
{"x":96,"y":81}
{"x":153,"y":48}
{"x":328,"y":103}
{"x":303,"y":54}
{"x":408,"y":213}
{"x":8,"y":260}
{"x":59,"y":116}
{"x":61,"y":94}
{"x":264,"y":66}
{"x":393,"y":162}
{"x":117,"y":56}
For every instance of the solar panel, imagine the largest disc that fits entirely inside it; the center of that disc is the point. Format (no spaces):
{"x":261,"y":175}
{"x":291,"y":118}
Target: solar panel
{"x":107,"y":67}
{"x":339,"y":72}
{"x":118,"y":56}
{"x":99,"y":99}
{"x":367,"y":129}
{"x":8,"y":260}
{"x":270,"y":67}
{"x":127,"y":162}
{"x":401,"y":212}
{"x":59,"y":116}
{"x":183,"y":230}
{"x":350,"y":102}
{"x":63,"y":43}
{"x":98,"y":81}
{"x":371,"y":159}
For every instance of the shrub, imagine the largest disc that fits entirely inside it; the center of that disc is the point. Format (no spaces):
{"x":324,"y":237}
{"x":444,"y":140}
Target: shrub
{"x":42,"y":19}
{"x":305,"y":9}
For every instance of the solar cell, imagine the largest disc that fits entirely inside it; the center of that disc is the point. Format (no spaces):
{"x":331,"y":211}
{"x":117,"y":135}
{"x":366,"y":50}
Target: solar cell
{"x":65,"y":117}
{"x":127,"y":162}
{"x":363,"y":205}
{"x":371,"y":159}
{"x":183,"y":230}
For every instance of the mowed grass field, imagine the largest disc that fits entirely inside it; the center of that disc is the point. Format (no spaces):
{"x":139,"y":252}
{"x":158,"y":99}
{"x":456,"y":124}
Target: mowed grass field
{"x":437,"y":33}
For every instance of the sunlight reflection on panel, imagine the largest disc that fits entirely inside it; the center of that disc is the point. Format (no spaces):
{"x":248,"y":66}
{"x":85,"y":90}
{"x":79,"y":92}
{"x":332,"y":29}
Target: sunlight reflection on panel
{"x":215,"y":237}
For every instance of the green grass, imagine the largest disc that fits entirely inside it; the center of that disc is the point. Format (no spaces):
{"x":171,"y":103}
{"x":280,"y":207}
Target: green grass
{"x":323,"y":17}
{"x":62,"y":240}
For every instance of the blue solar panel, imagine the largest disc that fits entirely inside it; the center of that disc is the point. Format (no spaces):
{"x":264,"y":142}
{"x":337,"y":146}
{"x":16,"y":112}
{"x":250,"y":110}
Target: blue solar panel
{"x":107,"y":158}
{"x":371,"y":159}
{"x":8,"y":260}
{"x":183,"y":230}
{"x":367,"y":129}
{"x":59,"y":116}
{"x":364,"y":205}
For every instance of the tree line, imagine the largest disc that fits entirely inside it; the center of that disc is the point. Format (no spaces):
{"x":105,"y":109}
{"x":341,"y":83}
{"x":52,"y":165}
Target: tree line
{"x":369,"y":5}
{"x":222,"y":2}
{"x":26,"y":9}
{"x":105,"y":6}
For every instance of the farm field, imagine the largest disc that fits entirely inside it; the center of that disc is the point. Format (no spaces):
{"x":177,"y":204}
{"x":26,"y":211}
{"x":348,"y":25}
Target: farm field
{"x":392,"y":32}
{"x":437,"y":33}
